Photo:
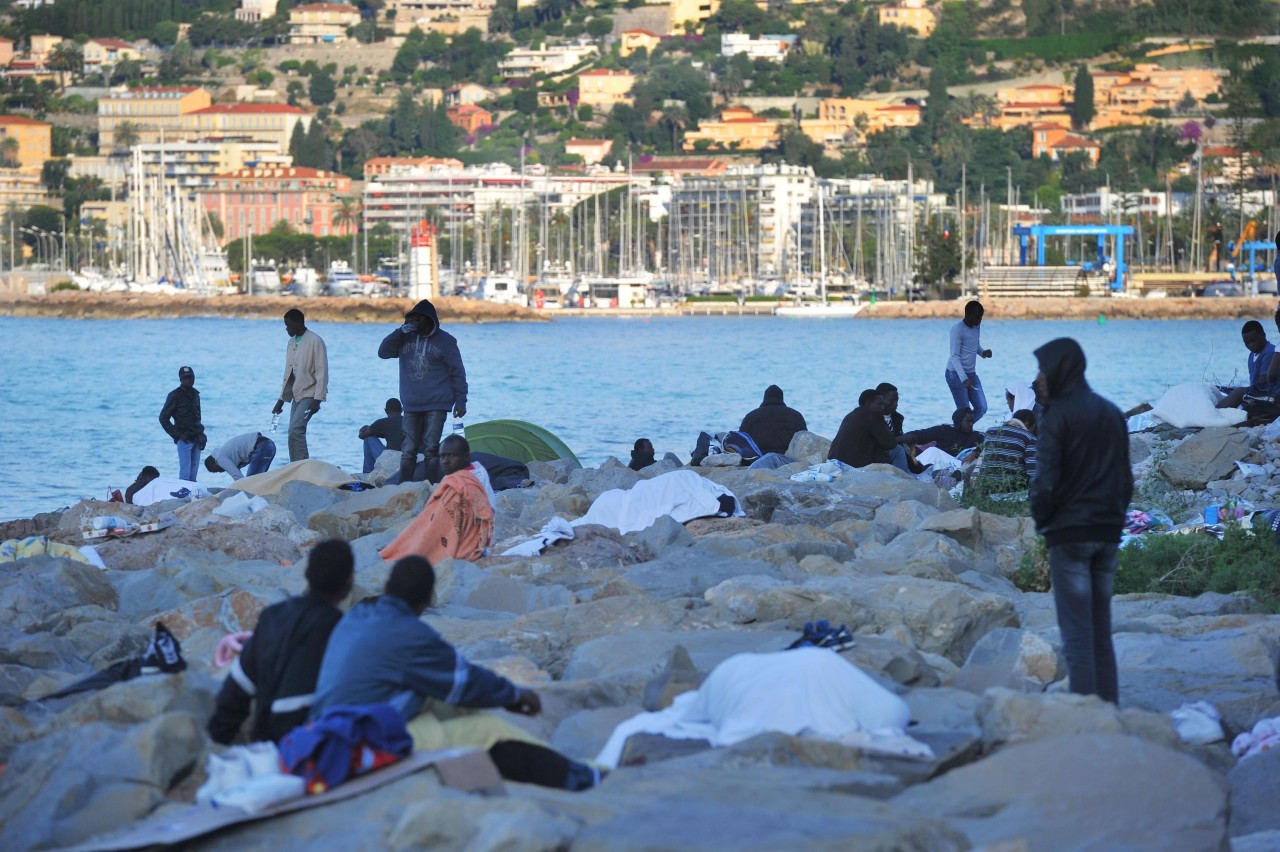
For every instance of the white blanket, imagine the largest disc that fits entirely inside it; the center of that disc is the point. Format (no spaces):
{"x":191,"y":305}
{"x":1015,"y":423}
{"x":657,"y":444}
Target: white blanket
{"x":1192,"y":405}
{"x":940,"y":459}
{"x":166,"y":488}
{"x":556,"y":529}
{"x":809,"y":691}
{"x":682,"y":494}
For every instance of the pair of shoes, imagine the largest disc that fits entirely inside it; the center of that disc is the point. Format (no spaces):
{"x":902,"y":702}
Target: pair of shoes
{"x":823,"y":635}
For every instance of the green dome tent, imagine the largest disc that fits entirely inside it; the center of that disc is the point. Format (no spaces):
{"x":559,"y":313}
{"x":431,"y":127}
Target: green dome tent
{"x":515,"y":439}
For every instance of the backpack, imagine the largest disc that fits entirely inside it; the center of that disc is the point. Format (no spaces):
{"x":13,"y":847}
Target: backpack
{"x":707,"y":445}
{"x":742,"y":444}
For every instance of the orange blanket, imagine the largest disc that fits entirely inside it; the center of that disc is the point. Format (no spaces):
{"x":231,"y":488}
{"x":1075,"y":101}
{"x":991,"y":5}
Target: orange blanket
{"x":456,"y":523}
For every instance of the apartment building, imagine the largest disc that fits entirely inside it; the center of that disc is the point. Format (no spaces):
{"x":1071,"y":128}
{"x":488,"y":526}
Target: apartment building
{"x":1056,"y":141}
{"x":272,"y":123}
{"x":6,"y":51}
{"x":604,"y":88}
{"x":449,"y":17}
{"x":591,"y":151}
{"x":321,"y":23}
{"x":629,"y":41}
{"x":550,"y":60}
{"x":737,"y":129}
{"x":101,"y":53}
{"x":378,"y":166}
{"x":909,"y":15}
{"x":34,"y":141}
{"x":693,"y":13}
{"x":258,"y":198}
{"x":773,"y":48}
{"x":151,"y":113}
{"x":254,"y":11}
{"x":469,"y":118}
{"x":842,"y":121}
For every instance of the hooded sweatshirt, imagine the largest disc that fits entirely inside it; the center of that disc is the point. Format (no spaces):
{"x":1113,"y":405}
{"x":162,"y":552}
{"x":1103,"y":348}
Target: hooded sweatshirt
{"x":432,"y":377}
{"x":1083,"y":482}
{"x":773,"y":424}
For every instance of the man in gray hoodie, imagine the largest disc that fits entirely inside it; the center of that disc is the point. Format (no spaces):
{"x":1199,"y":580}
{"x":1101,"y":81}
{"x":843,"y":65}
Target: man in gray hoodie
{"x":432,"y":382}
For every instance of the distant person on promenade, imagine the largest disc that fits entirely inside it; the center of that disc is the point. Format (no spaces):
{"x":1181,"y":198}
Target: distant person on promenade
{"x":1079,"y":497}
{"x":277,"y":668}
{"x":952,"y":438}
{"x":252,"y":451}
{"x":892,"y":418}
{"x":306,"y":380}
{"x":1008,"y":455}
{"x":962,"y":374}
{"x":641,"y":454}
{"x":382,"y":652}
{"x":432,"y":381}
{"x":180,"y":418}
{"x":382,"y":434}
{"x":863,"y":437}
{"x":774,"y":423}
{"x":457,"y":522}
{"x":1261,"y":397}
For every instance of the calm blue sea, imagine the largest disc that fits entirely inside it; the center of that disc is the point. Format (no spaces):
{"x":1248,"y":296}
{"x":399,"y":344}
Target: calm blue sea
{"x":79,"y":399}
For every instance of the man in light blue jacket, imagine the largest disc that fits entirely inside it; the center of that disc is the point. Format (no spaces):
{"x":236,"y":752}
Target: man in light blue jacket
{"x":962,"y":373}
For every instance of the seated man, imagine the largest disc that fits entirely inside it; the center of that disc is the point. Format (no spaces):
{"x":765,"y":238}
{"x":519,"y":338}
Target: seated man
{"x":863,"y":437}
{"x":892,"y":418}
{"x":1262,"y":396}
{"x":457,"y":522}
{"x":383,"y":653}
{"x":252,"y":449}
{"x":1008,"y":455}
{"x":641,"y":454}
{"x":382,"y":433}
{"x":277,"y":668}
{"x":774,"y":423}
{"x":952,"y":438}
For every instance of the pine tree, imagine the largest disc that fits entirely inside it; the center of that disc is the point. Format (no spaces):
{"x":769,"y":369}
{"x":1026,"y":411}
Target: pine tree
{"x":1082,"y":110}
{"x":298,"y":143}
{"x":322,"y":90}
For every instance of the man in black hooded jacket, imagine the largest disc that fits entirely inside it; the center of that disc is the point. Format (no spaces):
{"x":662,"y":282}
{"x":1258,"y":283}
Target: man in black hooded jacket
{"x":1079,"y":496}
{"x":774,"y":423}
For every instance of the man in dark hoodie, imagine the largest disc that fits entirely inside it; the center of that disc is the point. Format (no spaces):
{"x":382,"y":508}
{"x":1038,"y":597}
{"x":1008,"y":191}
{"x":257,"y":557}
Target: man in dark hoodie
{"x":863,"y":437}
{"x":1079,"y":496}
{"x":180,"y":418}
{"x":432,"y":381}
{"x":773,"y":424}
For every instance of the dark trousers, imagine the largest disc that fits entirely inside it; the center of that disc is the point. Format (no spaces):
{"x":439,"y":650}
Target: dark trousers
{"x":527,"y":763}
{"x":1083,"y":575}
{"x":421,"y":435}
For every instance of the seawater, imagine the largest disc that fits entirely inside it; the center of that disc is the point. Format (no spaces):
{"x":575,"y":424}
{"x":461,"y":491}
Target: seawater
{"x":80,"y":399}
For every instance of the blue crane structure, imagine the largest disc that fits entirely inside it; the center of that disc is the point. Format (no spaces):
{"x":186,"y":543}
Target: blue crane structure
{"x":1026,"y":233}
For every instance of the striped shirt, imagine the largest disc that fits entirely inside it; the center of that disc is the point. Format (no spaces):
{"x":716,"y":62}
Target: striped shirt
{"x":1008,"y":458}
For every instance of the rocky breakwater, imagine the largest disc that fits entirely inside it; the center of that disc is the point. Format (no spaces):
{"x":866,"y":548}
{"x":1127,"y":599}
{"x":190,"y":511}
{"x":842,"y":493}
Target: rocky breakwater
{"x":608,"y":624}
{"x":82,"y":305}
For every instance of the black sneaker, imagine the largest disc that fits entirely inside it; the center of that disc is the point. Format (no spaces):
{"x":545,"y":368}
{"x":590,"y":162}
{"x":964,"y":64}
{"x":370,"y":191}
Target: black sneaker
{"x":164,"y":654}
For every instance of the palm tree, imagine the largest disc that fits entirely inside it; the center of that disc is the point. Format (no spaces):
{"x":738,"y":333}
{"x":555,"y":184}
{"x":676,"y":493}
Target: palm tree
{"x":348,"y":214}
{"x":9,"y":152}
{"x":67,"y":56}
{"x":126,"y":135}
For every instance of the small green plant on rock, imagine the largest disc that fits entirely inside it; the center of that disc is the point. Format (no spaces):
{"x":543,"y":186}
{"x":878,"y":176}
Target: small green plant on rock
{"x":1033,"y":571}
{"x":1243,"y":561}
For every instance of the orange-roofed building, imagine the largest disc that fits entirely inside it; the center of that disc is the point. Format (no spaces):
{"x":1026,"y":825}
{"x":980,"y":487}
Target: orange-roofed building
{"x":257,"y":122}
{"x":258,"y":198}
{"x":469,"y":118}
{"x":102,"y":53}
{"x":1056,"y":142}
{"x":632,"y":40}
{"x":738,"y":129}
{"x":154,"y":112}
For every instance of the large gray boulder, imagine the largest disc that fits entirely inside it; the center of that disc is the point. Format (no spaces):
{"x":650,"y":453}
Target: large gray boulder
{"x":511,"y":825}
{"x":1081,"y":791}
{"x":594,"y":481}
{"x":87,"y":779}
{"x":808,"y":448}
{"x":690,"y":572}
{"x":369,"y":511}
{"x":1255,"y":794}
{"x":938,"y":617}
{"x":1210,"y":454}
{"x":1017,"y":659}
{"x":1007,"y":716}
{"x":31,"y":590}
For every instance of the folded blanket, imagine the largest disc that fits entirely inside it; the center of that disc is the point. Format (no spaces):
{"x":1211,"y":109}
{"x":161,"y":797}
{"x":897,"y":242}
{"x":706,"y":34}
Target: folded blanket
{"x":308,"y":470}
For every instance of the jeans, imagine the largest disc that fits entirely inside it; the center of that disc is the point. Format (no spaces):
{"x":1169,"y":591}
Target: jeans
{"x":299,"y":414}
{"x":260,"y":461}
{"x":188,"y":460}
{"x":1083,"y":575}
{"x":898,"y":458}
{"x":770,"y":461}
{"x":967,"y":398}
{"x":421,"y":435}
{"x":373,"y":447}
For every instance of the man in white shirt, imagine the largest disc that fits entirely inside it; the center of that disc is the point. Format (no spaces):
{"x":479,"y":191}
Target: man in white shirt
{"x":306,"y":380}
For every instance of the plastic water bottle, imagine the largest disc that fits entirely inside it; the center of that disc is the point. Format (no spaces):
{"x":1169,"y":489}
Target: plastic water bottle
{"x":458,"y":428}
{"x":275,"y":422}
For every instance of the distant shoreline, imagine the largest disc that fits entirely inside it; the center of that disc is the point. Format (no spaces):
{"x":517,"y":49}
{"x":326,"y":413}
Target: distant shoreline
{"x":80,"y":305}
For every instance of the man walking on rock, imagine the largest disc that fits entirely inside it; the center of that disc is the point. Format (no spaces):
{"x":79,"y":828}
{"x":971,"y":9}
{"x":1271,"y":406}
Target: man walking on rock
{"x":1079,"y":495}
{"x":306,"y":380}
{"x":432,"y":381}
{"x":962,"y":374}
{"x":180,"y":418}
